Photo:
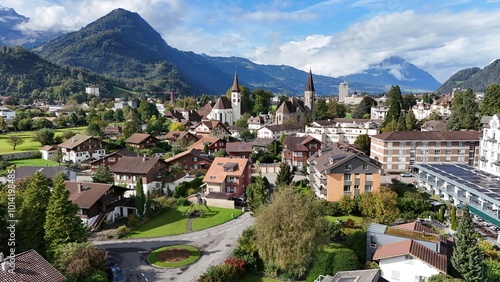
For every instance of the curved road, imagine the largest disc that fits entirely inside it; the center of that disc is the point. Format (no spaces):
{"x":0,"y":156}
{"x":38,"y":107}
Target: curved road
{"x":215,"y":244}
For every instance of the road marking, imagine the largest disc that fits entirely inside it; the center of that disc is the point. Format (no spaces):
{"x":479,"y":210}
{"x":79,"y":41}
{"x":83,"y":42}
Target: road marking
{"x":146,"y":279}
{"x":142,"y":274}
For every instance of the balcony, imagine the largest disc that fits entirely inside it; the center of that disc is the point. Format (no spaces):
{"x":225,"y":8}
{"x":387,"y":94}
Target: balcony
{"x":347,"y":193}
{"x":356,"y":192}
{"x":483,"y":159}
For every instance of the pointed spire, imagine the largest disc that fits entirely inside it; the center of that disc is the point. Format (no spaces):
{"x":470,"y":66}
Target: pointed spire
{"x":236,"y":86}
{"x":310,"y":84}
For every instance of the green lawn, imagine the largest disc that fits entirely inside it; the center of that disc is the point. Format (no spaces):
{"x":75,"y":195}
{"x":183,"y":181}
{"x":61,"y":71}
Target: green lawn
{"x":29,"y":144}
{"x":33,"y":162}
{"x":153,"y":257}
{"x":256,"y":278}
{"x":357,"y":219}
{"x":174,"y":222}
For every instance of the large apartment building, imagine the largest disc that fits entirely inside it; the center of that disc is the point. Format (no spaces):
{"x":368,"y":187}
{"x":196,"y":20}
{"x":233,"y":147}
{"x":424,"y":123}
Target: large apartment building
{"x":489,"y":156}
{"x":341,"y":130}
{"x":400,"y":150}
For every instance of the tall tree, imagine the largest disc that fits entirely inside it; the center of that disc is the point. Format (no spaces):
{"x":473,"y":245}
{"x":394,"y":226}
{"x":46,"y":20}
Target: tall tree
{"x":408,"y":101}
{"x":32,"y":214}
{"x":148,"y":204}
{"x":146,"y":110}
{"x":285,"y":176}
{"x":464,"y":109}
{"x":381,"y":206}
{"x":140,"y":198}
{"x":132,"y":125}
{"x":467,"y":257}
{"x":364,"y":107}
{"x":321,"y":109}
{"x":262,"y":101}
{"x":411,"y":121}
{"x":395,"y":101}
{"x":102,"y":175}
{"x":288,"y":231}
{"x":62,"y":225}
{"x":364,"y":143}
{"x":3,"y":124}
{"x":256,"y":193}
{"x":490,"y":104}
{"x":45,"y":136}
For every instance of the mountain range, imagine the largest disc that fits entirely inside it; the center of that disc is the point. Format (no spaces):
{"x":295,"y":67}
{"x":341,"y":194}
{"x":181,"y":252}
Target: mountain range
{"x":475,"y":78}
{"x":123,"y":45}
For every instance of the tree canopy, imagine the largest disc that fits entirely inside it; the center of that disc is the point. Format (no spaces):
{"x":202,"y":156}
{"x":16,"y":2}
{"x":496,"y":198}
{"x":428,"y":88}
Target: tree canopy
{"x":464,"y":109}
{"x":490,"y":104}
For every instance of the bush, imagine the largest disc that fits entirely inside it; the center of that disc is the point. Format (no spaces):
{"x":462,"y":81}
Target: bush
{"x":356,"y":241}
{"x":121,"y":231}
{"x":132,"y":221}
{"x":219,"y":273}
{"x":332,"y":230}
{"x":183,"y":202}
{"x":237,"y":263}
{"x":331,"y":208}
{"x":97,"y":276}
{"x":329,"y":263}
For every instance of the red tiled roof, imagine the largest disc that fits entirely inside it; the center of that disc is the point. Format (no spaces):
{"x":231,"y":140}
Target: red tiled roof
{"x":200,"y":144}
{"x":32,"y":267}
{"x":416,"y":250}
{"x":194,"y":152}
{"x":216,"y":173}
{"x":298,"y":143}
{"x":222,"y":103}
{"x":135,"y":165}
{"x":74,"y":141}
{"x":137,"y":138}
{"x":48,"y":148}
{"x":90,"y":194}
{"x":239,"y":147}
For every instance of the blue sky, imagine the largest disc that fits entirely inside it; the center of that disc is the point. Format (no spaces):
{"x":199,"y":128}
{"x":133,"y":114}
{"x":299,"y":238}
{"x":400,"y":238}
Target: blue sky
{"x":333,"y":37}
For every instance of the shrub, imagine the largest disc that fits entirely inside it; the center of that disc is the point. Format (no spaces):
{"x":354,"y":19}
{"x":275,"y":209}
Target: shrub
{"x":331,"y":208}
{"x":132,"y":221}
{"x":121,"y":231}
{"x":97,"y":276}
{"x":349,"y":223}
{"x":332,"y":230}
{"x":356,"y":241}
{"x":219,"y":273}
{"x":183,"y":202}
{"x":237,"y":263}
{"x":329,"y":263}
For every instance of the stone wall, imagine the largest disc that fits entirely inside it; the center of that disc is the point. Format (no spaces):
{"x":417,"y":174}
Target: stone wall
{"x":20,"y":155}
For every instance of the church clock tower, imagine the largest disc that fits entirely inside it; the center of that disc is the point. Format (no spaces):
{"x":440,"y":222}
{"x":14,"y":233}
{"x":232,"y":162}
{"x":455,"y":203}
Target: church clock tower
{"x":309,"y":97}
{"x":236,"y":98}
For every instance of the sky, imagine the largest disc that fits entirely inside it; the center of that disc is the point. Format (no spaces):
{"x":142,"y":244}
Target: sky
{"x":332,"y":37}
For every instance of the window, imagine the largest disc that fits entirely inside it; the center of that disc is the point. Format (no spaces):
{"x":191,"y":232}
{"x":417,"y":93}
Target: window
{"x":373,"y":242}
{"x":423,"y":159}
{"x":112,"y":159}
{"x":368,"y":188}
{"x":461,"y":144}
{"x":347,"y":188}
{"x":368,"y":177}
{"x":448,"y":144}
{"x":347,"y":177}
{"x":462,"y":152}
{"x":195,"y":159}
{"x":389,"y":144}
{"x":230,"y":189}
{"x":401,"y":152}
{"x":232,"y":179}
{"x":365,"y":166}
{"x":438,"y":144}
{"x":437,"y":152}
{"x":195,"y":166}
{"x":313,"y":145}
{"x":425,"y":144}
{"x":402,"y":144}
{"x":448,"y":152}
{"x":461,"y":159}
{"x":395,"y":275}
{"x":424,"y":152}
{"x":356,"y":187}
{"x":297,"y":154}
{"x":436,"y":159}
{"x":347,"y":167}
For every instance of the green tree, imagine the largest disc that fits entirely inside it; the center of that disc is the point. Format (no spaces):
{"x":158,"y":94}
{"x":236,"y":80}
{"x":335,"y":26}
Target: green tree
{"x":256,"y":193}
{"x":288,"y":231}
{"x":177,"y":126}
{"x":42,"y":123}
{"x":245,"y":135}
{"x":148,"y":204}
{"x":464,"y":109}
{"x":146,"y":110}
{"x":243,"y":121}
{"x":140,"y":198}
{"x":395,"y":102}
{"x":14,"y":140}
{"x":132,"y":125}
{"x":220,"y":153}
{"x":62,"y":225}
{"x":285,"y":176}
{"x":45,"y":136}
{"x":262,"y":101}
{"x":467,"y":257}
{"x":154,"y":126}
{"x":94,"y":129}
{"x":31,"y":232}
{"x":67,"y":134}
{"x":411,"y":122}
{"x":347,"y":204}
{"x":490,"y":104}
{"x":321,"y":109}
{"x":364,"y":107}
{"x":409,"y":101}
{"x":205,"y":148}
{"x":102,"y":175}
{"x":364,"y":143}
{"x":3,"y":124}
{"x":78,"y":261}
{"x":453,"y":218}
{"x":381,"y":206}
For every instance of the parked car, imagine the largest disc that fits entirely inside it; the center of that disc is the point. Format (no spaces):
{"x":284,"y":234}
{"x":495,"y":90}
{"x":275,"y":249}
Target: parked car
{"x":115,"y":274}
{"x":110,"y":261}
{"x":406,"y":174}
{"x":240,"y":202}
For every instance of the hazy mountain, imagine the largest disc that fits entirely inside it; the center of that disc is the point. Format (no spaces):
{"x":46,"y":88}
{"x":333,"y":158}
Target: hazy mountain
{"x":475,"y":78}
{"x":396,"y":71}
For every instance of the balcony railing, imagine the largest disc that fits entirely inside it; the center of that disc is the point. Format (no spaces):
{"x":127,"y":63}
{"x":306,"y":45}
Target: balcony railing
{"x":347,"y":193}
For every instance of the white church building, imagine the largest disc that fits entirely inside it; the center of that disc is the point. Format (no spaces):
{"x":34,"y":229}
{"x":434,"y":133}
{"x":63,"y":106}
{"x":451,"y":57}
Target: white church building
{"x":225,"y":110}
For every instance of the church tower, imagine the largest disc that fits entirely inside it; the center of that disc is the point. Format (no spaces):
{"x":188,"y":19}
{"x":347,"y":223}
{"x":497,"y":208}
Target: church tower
{"x":236,"y":98}
{"x":309,"y":96}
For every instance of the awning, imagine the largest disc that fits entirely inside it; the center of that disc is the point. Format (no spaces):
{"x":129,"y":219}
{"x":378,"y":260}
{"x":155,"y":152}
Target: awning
{"x":485,"y":216}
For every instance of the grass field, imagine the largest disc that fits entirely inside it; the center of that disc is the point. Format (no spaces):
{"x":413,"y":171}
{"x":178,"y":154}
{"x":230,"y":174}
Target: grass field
{"x":33,"y":162}
{"x":27,"y":136}
{"x":174,"y":221}
{"x":357,"y":219}
{"x":153,"y":257}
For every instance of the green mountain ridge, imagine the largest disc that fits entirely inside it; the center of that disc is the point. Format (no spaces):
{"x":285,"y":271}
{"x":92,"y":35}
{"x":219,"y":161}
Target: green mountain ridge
{"x":475,"y":78}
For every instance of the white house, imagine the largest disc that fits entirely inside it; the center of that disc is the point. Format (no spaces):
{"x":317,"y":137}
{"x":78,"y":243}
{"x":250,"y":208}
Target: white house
{"x":489,"y":149}
{"x":80,"y":148}
{"x":49,"y":152}
{"x":409,"y":261}
{"x":275,"y":131}
{"x":379,"y":112}
{"x":7,"y":113}
{"x":93,"y":90}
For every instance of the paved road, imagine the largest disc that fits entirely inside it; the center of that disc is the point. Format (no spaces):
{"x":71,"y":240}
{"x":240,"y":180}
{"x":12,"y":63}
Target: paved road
{"x":215,"y":244}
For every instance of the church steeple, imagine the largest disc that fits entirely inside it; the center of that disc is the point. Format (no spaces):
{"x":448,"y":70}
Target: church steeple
{"x":236,"y":85}
{"x":310,"y":84}
{"x":310,"y":96}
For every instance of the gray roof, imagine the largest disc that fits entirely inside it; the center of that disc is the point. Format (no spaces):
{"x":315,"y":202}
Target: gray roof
{"x":365,"y":275}
{"x":333,"y":156}
{"x":47,"y":171}
{"x":377,"y":228}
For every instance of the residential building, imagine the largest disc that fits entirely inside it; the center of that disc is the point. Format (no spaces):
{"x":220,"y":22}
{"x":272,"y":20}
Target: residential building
{"x":296,"y":150}
{"x":28,"y":266}
{"x":119,"y":104}
{"x":400,"y":150}
{"x":97,"y":202}
{"x":255,"y":123}
{"x":111,"y":159}
{"x":214,"y":144}
{"x":49,"y":152}
{"x":113,"y":132}
{"x":343,"y":91}
{"x":179,"y":138}
{"x":365,"y":275}
{"x":211,"y":128}
{"x":339,"y":170}
{"x":275,"y":131}
{"x":407,"y":252}
{"x":261,"y":144}
{"x":141,"y":141}
{"x":433,"y":125}
{"x":47,"y":171}
{"x":342,"y":130}
{"x":192,"y":159}
{"x":379,"y":112}
{"x":92,"y":90}
{"x":489,"y":156}
{"x":7,"y":114}
{"x":228,"y":175}
{"x":128,"y":169}
{"x":441,"y":106}
{"x":239,"y":149}
{"x":81,"y":148}
{"x":354,"y":99}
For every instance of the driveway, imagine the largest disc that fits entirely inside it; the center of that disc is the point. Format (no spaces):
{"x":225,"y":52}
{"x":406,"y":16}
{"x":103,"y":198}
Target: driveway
{"x":215,"y":244}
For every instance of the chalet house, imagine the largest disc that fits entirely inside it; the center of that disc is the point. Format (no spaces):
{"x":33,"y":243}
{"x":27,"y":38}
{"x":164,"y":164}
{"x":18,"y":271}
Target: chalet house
{"x":97,"y":201}
{"x":151,"y":170}
{"x":49,"y":152}
{"x":255,"y":123}
{"x":261,"y":144}
{"x":212,"y":128}
{"x":113,"y":132}
{"x":174,"y":115}
{"x":111,"y":159}
{"x":239,"y":149}
{"x":275,"y":131}
{"x":228,"y":175}
{"x":47,"y":171}
{"x":28,"y":266}
{"x":339,"y":170}
{"x":141,"y":141}
{"x":191,"y":159}
{"x":214,"y":144}
{"x":179,"y":138}
{"x":205,"y":111}
{"x":407,"y":252}
{"x":296,"y":150}
{"x":81,"y":148}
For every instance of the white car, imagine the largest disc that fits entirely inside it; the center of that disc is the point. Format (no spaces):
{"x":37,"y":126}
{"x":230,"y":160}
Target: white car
{"x":406,"y":174}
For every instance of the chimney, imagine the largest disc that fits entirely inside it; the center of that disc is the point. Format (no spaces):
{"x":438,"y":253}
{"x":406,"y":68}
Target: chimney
{"x":144,"y":158}
{"x":80,"y":187}
{"x":72,"y":139}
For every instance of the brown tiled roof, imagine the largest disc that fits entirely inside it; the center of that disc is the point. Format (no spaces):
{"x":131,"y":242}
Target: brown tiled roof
{"x":74,"y":141}
{"x":414,"y":226}
{"x":416,"y":250}
{"x":262,"y":141}
{"x":200,"y":144}
{"x":123,"y":152}
{"x":89,"y":195}
{"x":325,"y":122}
{"x":216,"y":173}
{"x":137,"y":138}
{"x":194,"y":152}
{"x":239,"y":147}
{"x":434,"y":125}
{"x":177,"y":135}
{"x":429,"y":135}
{"x":203,"y":112}
{"x":48,"y":148}
{"x":222,"y":103}
{"x":31,"y":267}
{"x":298,"y":143}
{"x":339,"y":154}
{"x":135,"y":165}
{"x":281,"y":127}
{"x":219,"y":195}
{"x":47,"y":171}
{"x":112,"y":130}
{"x":235,"y":128}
